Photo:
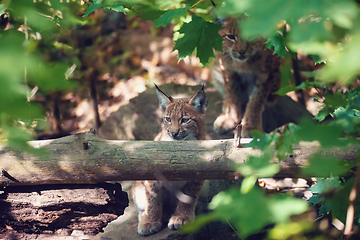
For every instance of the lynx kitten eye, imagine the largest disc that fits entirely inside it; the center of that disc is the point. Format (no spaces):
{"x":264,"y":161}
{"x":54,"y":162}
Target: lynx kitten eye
{"x":167,"y":119}
{"x":184,"y":120}
{"x":231,"y":37}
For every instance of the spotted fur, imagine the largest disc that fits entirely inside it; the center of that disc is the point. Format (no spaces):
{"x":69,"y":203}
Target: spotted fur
{"x":250,"y":73}
{"x":182,"y":120}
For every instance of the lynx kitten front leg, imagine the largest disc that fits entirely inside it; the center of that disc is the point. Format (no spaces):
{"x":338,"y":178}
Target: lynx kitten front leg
{"x":227,"y":121}
{"x":185,"y":210}
{"x":253,"y":115}
{"x":147,"y":197}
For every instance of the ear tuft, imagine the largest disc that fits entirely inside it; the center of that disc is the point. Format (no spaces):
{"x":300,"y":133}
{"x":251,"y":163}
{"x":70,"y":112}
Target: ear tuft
{"x":221,"y":21}
{"x":163,"y":98}
{"x":199,"y":101}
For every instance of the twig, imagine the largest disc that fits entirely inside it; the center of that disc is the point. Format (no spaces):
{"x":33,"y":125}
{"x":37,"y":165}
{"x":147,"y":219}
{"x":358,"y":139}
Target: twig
{"x":351,"y":209}
{"x":7,"y":175}
{"x":234,"y":229}
{"x":237,"y":135}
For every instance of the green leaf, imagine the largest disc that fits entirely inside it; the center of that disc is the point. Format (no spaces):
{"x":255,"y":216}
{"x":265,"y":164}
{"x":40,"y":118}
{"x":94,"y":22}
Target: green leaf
{"x":282,"y":207}
{"x":340,"y":201}
{"x":117,"y":8}
{"x":328,"y":136}
{"x":310,"y":31}
{"x":307,"y":85}
{"x":325,"y":185}
{"x":198,"y":223}
{"x":92,"y":8}
{"x":342,"y":12}
{"x":259,"y":166}
{"x":277,"y":42}
{"x":16,"y":137}
{"x":199,"y":35}
{"x":49,"y":76}
{"x":322,"y":114}
{"x":335,"y":100}
{"x":260,"y":140}
{"x":344,"y":66}
{"x":169,"y":15}
{"x":290,"y":230}
{"x":248,"y":183}
{"x":322,"y":166}
{"x":284,"y":142}
{"x":346,"y":119}
{"x":283,"y":91}
{"x":252,"y":208}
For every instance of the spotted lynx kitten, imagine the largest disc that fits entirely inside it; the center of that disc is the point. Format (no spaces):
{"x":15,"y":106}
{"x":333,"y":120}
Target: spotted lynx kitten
{"x":182,"y":120}
{"x":251,"y":74}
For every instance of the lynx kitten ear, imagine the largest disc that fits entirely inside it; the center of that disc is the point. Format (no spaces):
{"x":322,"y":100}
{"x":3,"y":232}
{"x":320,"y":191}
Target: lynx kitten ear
{"x":199,"y":101}
{"x":163,"y":98}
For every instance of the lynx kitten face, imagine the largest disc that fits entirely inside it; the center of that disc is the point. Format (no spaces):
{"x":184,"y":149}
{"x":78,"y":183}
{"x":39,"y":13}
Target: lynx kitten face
{"x":182,"y":120}
{"x":237,"y":49}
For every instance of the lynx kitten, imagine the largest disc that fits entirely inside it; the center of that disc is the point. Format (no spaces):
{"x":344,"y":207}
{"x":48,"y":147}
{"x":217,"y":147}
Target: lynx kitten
{"x":182,"y":120}
{"x":250,"y":73}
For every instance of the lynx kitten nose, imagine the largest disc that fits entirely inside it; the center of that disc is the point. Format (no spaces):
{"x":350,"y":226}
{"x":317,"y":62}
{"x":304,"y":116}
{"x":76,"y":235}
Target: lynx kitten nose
{"x":174,"y":134}
{"x":242,"y":54}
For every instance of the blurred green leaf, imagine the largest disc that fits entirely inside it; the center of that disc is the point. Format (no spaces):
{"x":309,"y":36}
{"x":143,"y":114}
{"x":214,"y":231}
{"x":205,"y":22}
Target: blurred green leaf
{"x":284,"y":141}
{"x":282,"y":207}
{"x":310,"y":31}
{"x":259,"y":166}
{"x":306,"y":84}
{"x":260,"y":140}
{"x":253,"y":207}
{"x":328,"y":136}
{"x":322,"y":114}
{"x":344,"y":65}
{"x":342,"y":13}
{"x":288,"y":230}
{"x":324,"y":167}
{"x":248,"y":183}
{"x":50,"y":77}
{"x":92,"y":9}
{"x":284,"y":90}
{"x":335,"y":100}
{"x":117,"y":7}
{"x":340,"y":202}
{"x":346,"y":119}
{"x":199,"y":222}
{"x":16,"y":137}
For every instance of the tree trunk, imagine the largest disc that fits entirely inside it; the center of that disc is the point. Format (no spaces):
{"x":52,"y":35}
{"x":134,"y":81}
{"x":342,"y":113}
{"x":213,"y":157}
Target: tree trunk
{"x":85,"y":158}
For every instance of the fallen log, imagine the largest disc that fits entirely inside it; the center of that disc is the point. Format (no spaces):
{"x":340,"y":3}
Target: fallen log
{"x":60,"y":209}
{"x":85,"y":158}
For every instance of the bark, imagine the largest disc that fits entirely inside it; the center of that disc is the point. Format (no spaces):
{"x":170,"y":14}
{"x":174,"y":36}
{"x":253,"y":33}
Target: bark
{"x":85,"y":158}
{"x":60,"y":209}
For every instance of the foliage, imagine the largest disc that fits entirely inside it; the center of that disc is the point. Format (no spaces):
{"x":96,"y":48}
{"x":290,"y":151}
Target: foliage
{"x":24,"y":69}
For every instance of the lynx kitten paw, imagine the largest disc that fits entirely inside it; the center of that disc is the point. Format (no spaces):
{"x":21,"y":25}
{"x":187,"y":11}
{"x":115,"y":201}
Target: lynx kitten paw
{"x":224,"y":124}
{"x":176,"y":222}
{"x":148,"y":228}
{"x":247,"y":128}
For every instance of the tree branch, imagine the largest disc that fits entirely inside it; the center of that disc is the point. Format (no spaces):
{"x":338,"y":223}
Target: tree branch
{"x":85,"y":158}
